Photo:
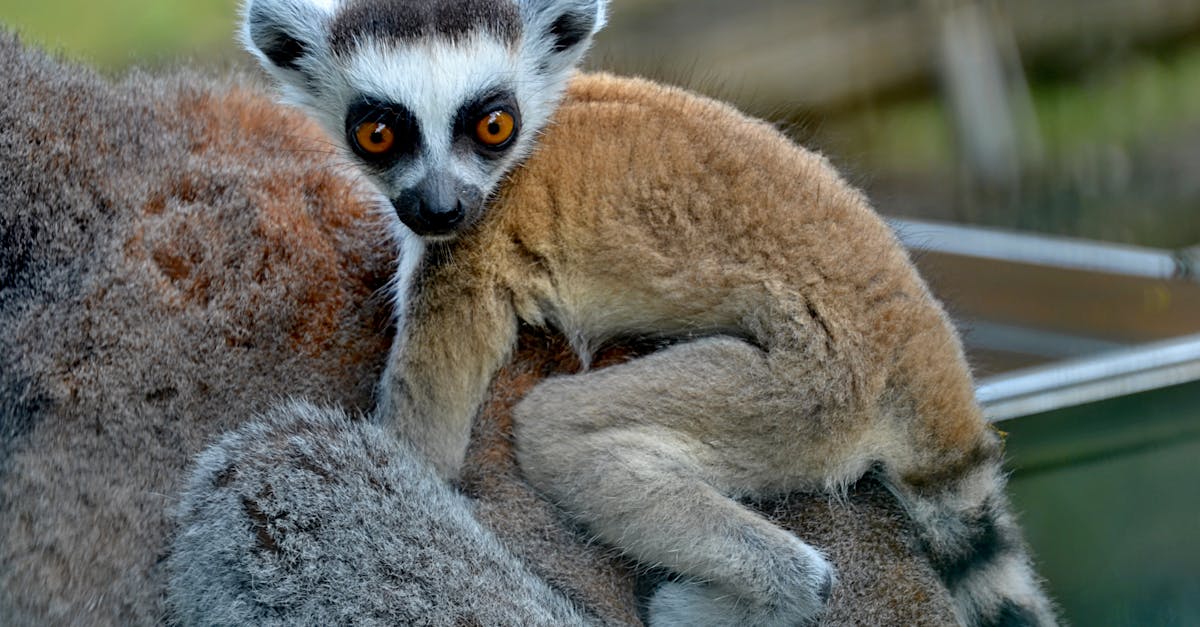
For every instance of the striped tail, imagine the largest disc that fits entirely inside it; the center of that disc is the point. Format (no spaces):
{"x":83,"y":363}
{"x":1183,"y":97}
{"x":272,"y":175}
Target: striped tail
{"x":972,"y":539}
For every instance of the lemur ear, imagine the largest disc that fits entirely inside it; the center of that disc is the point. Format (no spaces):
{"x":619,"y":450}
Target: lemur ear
{"x":281,"y":33}
{"x":563,"y":27}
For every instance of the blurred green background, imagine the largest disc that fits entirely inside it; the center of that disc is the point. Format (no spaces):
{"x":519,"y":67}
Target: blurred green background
{"x":118,"y":33}
{"x":1073,"y":117}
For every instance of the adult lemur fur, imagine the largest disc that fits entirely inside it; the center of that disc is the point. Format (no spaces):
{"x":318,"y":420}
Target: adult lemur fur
{"x":814,"y":354}
{"x":178,"y":253}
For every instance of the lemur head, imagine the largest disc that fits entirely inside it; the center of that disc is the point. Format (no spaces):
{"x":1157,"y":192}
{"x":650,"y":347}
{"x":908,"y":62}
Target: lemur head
{"x":438,"y":99}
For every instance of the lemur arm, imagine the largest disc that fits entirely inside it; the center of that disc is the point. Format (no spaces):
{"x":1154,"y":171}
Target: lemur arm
{"x":459,"y":331}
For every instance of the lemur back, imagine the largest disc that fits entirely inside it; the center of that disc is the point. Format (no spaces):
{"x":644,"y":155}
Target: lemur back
{"x":813,"y":355}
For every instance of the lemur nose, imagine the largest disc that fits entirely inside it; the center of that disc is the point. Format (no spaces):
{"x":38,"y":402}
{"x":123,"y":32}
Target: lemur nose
{"x":428,"y":218}
{"x":442,"y":219}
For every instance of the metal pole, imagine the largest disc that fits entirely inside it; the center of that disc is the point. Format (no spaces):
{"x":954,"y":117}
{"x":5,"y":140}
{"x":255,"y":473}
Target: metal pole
{"x":1077,"y":381}
{"x":1044,"y":250}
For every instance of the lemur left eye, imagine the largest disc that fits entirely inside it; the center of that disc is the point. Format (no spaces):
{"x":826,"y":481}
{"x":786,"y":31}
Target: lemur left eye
{"x":375,"y":138}
{"x":495,"y":129}
{"x":380,"y":132}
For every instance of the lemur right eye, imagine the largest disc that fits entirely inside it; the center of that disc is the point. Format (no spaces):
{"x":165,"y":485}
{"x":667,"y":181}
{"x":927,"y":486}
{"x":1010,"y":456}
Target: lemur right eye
{"x":375,"y":138}
{"x":496,"y":128}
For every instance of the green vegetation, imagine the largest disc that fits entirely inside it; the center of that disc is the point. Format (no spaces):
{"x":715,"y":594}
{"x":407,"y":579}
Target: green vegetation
{"x":119,"y":33}
{"x":1126,"y":104}
{"x":1134,"y":101}
{"x":1115,"y":143}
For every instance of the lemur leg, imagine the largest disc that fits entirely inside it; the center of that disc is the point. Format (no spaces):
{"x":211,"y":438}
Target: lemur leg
{"x":647,"y":455}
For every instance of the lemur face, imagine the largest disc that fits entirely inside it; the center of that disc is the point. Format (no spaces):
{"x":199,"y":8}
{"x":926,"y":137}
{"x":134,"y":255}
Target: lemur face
{"x":437,"y":99}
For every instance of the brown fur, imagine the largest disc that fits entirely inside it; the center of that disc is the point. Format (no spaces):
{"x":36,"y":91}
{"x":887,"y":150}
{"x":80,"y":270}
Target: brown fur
{"x":648,"y":211}
{"x":214,"y":260}
{"x":666,"y":231}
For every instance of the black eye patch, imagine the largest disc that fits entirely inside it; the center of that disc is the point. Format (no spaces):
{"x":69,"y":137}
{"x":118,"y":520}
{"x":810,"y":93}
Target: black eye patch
{"x":370,"y":120}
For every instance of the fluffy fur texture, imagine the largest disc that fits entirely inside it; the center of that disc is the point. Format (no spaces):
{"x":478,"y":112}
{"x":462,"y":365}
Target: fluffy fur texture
{"x":319,"y":488}
{"x":648,"y":211}
{"x":178,"y":254}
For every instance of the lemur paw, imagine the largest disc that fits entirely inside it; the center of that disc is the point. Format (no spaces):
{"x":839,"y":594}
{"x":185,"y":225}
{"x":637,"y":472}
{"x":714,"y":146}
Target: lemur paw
{"x":803,"y":600}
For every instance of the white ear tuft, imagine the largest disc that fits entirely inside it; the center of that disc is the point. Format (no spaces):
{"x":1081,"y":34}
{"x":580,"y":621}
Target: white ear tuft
{"x":282,"y":33}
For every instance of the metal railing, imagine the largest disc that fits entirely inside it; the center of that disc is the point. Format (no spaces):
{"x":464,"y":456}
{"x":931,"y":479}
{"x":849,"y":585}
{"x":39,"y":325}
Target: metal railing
{"x":1043,"y":250}
{"x":1097,"y":375}
{"x":1084,"y":380}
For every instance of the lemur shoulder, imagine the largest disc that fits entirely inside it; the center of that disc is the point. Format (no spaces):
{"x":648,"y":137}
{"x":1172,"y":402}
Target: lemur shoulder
{"x":810,"y":352}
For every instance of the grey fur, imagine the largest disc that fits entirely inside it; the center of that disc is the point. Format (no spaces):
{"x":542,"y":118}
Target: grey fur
{"x":164,"y":292}
{"x":177,"y":257}
{"x":287,"y":33}
{"x":640,"y":486}
{"x":979,"y":552}
{"x":305,"y":486}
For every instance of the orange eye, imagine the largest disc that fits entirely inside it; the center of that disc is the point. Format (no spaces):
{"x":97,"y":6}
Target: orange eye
{"x":375,"y":138}
{"x":495,"y":128}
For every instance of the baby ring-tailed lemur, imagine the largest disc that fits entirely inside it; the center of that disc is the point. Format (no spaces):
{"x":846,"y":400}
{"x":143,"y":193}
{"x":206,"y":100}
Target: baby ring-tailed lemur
{"x":809,"y":353}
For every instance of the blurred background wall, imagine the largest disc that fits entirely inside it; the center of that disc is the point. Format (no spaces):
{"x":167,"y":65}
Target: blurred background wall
{"x":1064,"y":117}
{"x":1074,"y":117}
